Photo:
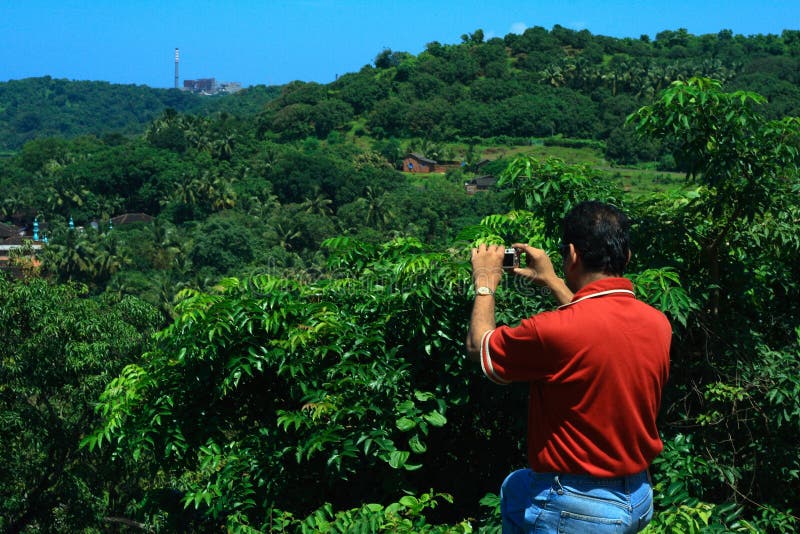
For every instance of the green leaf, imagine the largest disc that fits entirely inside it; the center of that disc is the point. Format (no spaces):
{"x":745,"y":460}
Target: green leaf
{"x":409,"y":501}
{"x":422,"y":396}
{"x":397,"y":459}
{"x":435,"y":418}
{"x":416,"y":445}
{"x":405,"y":424}
{"x":405,"y":406}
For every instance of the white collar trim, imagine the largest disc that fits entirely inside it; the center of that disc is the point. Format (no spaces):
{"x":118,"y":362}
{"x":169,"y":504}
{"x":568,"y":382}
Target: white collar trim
{"x":598,"y":294}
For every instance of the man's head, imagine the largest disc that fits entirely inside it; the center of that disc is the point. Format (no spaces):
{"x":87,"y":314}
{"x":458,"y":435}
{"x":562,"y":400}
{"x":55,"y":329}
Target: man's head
{"x":600,"y":234}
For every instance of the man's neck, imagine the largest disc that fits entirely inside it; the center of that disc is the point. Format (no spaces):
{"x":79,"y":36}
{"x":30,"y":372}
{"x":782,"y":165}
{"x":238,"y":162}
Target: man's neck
{"x":586,"y":278}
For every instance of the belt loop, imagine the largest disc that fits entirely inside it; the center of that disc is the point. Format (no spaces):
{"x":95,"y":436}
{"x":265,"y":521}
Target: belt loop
{"x":560,"y":488}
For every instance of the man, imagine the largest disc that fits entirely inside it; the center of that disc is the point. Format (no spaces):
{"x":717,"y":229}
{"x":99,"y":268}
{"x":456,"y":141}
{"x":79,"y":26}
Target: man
{"x":596,"y":367}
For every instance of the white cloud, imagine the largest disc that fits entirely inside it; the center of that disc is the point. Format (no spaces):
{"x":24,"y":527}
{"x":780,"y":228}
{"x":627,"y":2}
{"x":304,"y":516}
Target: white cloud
{"x":518,"y":27}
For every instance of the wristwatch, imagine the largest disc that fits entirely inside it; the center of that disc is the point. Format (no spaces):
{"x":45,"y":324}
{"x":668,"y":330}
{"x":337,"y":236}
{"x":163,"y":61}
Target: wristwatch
{"x":483,"y":290}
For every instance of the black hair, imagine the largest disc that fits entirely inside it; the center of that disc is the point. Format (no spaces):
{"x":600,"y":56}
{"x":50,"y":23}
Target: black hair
{"x":601,"y":235}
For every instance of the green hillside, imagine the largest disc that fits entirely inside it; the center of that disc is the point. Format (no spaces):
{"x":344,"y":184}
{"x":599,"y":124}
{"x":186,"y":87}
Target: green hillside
{"x":42,"y":107}
{"x":536,"y":84}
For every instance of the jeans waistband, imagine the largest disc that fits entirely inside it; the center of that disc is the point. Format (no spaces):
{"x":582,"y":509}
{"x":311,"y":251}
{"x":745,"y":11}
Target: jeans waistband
{"x":624,"y":482}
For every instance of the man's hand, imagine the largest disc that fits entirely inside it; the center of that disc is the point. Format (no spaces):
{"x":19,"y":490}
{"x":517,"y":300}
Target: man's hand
{"x":538,"y":267}
{"x":487,"y":265}
{"x":539,"y":270}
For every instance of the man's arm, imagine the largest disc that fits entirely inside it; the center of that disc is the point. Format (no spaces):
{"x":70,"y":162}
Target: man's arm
{"x":481,"y":321}
{"x":487,"y":270}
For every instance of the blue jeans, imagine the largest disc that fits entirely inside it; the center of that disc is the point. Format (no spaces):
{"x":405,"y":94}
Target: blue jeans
{"x":548,"y":502}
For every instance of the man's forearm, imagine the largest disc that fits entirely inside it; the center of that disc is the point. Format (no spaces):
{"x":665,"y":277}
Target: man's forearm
{"x":481,"y":321}
{"x":487,"y":271}
{"x":560,"y":291}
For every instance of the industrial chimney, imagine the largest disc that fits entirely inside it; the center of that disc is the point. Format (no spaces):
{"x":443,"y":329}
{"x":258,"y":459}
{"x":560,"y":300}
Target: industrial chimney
{"x":176,"y":68}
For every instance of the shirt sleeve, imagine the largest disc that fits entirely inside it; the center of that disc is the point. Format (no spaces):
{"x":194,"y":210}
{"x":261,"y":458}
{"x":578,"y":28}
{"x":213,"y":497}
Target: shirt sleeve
{"x":514,"y":354}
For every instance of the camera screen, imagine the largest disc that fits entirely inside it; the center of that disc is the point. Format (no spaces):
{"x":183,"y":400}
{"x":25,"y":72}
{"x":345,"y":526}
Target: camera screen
{"x":510,"y":259}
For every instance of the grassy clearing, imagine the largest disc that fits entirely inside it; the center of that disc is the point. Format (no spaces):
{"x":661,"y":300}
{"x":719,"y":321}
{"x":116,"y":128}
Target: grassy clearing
{"x":642,"y":182}
{"x":633,"y":180}
{"x":572,"y":156}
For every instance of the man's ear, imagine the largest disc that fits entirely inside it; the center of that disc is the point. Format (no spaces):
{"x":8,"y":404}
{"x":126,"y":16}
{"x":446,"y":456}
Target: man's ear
{"x":573,"y":255}
{"x":629,"y":258}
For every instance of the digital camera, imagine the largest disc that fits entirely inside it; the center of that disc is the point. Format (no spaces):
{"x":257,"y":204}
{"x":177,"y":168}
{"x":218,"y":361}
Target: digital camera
{"x":510,"y":259}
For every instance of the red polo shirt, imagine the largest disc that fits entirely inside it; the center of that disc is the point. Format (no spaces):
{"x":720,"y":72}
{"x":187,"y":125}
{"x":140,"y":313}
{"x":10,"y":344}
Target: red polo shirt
{"x":596,"y":368}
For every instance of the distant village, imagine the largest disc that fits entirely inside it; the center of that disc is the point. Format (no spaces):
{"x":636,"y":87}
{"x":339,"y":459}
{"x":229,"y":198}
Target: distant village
{"x":29,"y":239}
{"x":416,"y":163}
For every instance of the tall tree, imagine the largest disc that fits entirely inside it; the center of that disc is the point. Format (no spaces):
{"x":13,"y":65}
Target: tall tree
{"x":746,"y":164}
{"x":59,"y":351}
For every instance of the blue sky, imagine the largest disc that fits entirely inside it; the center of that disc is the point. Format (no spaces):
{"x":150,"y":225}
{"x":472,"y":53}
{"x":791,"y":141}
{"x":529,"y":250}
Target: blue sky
{"x":277,"y":41}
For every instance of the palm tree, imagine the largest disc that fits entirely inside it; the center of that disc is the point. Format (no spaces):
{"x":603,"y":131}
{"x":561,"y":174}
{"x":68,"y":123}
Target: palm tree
{"x":119,"y":288}
{"x":165,"y":245}
{"x":106,"y":263}
{"x":70,"y":258}
{"x":185,"y":192}
{"x":62,"y":198}
{"x":107,"y":206}
{"x":222,"y":147}
{"x":612,"y":77}
{"x":258,"y":207}
{"x":579,"y":72}
{"x":166,"y":286}
{"x":653,"y":81}
{"x":378,"y":213}
{"x":287,"y":235}
{"x":220,"y":193}
{"x":320,"y":204}
{"x":553,"y":74}
{"x":425,"y":147}
{"x":82,"y":256}
{"x":12,"y":203}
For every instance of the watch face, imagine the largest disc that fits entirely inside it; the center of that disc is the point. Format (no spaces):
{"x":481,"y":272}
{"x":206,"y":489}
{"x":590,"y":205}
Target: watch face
{"x":483,"y":290}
